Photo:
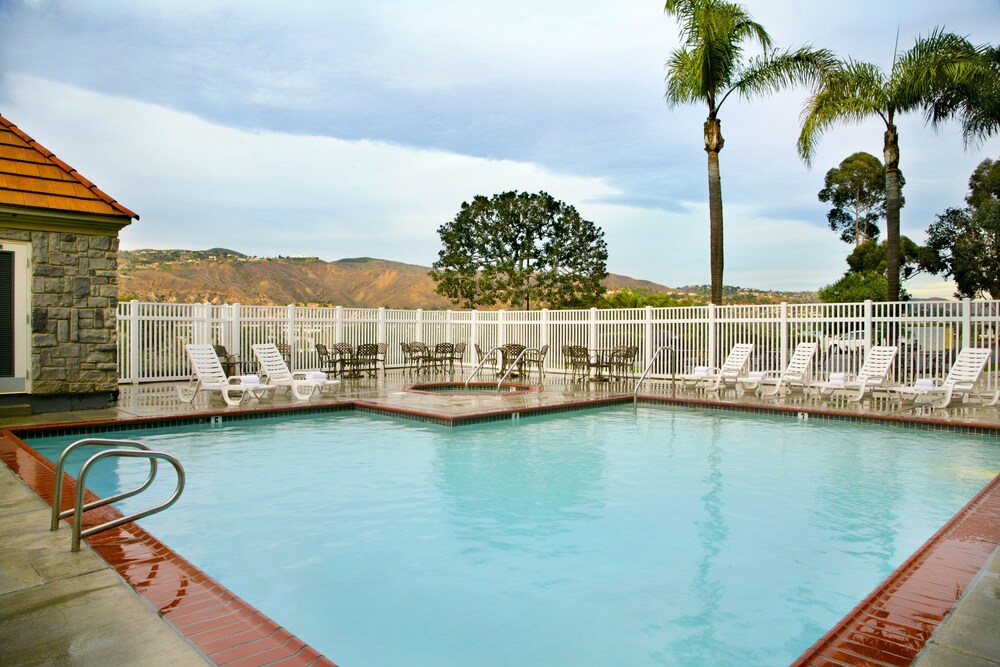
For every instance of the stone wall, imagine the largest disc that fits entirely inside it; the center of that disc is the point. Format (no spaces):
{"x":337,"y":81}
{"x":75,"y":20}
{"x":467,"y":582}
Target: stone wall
{"x":74,"y":297}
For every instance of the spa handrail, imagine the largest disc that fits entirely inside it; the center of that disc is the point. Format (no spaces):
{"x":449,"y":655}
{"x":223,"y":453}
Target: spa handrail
{"x":649,"y":366}
{"x":57,"y":492}
{"x":482,"y":362}
{"x":510,"y":367}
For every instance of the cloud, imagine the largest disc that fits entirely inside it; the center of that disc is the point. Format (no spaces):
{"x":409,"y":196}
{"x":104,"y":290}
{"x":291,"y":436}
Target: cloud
{"x":197,"y":184}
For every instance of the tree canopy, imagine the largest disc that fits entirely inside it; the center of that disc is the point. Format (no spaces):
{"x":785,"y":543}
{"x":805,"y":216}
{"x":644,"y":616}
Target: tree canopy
{"x":855,"y":287}
{"x":965,"y":242}
{"x":865,"y":277}
{"x":984,"y":184}
{"x":856,"y":190}
{"x":520,"y":249}
{"x":872,"y":256}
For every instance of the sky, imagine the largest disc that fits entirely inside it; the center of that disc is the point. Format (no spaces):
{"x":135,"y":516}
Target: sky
{"x":336,"y":128}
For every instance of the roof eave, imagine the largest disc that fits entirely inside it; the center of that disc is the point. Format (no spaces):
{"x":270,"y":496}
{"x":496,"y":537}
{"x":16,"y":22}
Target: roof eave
{"x":48,"y":220}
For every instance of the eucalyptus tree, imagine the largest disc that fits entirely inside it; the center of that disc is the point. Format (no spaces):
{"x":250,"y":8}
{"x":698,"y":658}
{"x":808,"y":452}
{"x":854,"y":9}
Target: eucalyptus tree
{"x":855,"y":91}
{"x":965,"y":243}
{"x":709,"y":66}
{"x":856,"y":189}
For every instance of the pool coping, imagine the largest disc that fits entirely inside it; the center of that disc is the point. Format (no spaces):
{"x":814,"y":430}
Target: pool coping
{"x":889,"y":627}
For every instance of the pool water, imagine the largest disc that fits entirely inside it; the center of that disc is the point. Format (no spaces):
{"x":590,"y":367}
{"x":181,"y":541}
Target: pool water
{"x":657,"y":537}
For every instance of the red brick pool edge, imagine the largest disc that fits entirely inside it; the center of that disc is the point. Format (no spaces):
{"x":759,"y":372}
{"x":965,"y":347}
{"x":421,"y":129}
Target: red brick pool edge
{"x":895,"y":621}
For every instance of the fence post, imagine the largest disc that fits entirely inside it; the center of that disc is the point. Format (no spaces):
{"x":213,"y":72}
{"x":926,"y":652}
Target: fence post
{"x":380,"y":329}
{"x":966,"y":323}
{"x":543,"y":322}
{"x":133,"y":341}
{"x":203,"y":325}
{"x":338,"y":324}
{"x":868,"y":325}
{"x":783,"y":310}
{"x":420,"y":325}
{"x":501,"y":328}
{"x":236,"y":330}
{"x":647,"y":334}
{"x":712,"y":315}
{"x":447,"y":325}
{"x":474,"y":333}
{"x":290,"y":333}
{"x":592,"y":330}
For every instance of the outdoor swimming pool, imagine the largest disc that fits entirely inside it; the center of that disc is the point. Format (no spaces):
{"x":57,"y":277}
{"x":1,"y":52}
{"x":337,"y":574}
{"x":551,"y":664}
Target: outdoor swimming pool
{"x":667,"y":536}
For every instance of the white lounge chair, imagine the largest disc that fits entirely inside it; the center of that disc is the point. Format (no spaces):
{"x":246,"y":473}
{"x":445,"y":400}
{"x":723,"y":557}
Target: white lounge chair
{"x":711,"y":379}
{"x":303,"y":384}
{"x":209,"y":376}
{"x":961,"y":382}
{"x":873,"y":375}
{"x":795,"y":376}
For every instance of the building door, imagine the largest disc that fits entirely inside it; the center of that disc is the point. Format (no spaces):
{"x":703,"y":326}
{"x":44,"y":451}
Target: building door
{"x":14,"y":333}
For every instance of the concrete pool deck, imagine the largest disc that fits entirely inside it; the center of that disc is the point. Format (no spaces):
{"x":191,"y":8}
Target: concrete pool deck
{"x":58,"y":607}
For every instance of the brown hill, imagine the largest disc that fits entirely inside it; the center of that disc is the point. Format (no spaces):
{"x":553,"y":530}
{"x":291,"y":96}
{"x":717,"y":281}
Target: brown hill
{"x":225,"y":276}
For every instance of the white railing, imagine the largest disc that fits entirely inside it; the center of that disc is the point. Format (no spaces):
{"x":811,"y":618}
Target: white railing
{"x":151,"y":336}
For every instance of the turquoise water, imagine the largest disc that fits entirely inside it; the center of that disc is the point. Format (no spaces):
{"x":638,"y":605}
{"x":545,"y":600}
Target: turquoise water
{"x":666,"y":537}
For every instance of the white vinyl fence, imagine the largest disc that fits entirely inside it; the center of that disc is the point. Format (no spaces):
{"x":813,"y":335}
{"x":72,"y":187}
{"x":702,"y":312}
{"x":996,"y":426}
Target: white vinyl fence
{"x":151,"y":336}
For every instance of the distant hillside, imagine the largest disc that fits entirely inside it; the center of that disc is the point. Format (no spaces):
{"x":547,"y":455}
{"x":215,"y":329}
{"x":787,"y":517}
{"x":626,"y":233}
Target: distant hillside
{"x":220,"y":275}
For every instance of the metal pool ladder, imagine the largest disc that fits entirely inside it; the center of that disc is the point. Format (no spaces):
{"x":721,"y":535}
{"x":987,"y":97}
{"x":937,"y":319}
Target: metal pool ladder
{"x":121,"y":449}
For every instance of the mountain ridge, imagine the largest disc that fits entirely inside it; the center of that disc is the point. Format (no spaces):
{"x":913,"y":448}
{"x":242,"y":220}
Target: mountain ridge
{"x":221,"y":275}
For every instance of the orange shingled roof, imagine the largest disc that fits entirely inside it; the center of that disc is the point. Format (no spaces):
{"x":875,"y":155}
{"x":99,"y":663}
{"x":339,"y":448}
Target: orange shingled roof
{"x":31,"y":175}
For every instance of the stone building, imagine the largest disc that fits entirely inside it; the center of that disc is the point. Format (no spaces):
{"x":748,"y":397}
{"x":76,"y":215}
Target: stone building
{"x":58,"y":281}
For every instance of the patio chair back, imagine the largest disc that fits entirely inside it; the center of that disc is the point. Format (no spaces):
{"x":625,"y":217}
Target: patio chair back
{"x":272,"y":364}
{"x":738,"y":357}
{"x":206,"y":366}
{"x":968,"y":366}
{"x":800,"y":365}
{"x":877,"y":364}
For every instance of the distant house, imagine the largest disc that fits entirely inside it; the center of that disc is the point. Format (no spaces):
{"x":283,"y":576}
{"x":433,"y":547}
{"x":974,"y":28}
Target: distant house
{"x":58,"y":281}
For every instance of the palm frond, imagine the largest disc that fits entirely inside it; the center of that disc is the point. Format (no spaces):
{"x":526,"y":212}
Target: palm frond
{"x":849,"y":93}
{"x":940,"y":61}
{"x":974,"y":98}
{"x":777,"y":70}
{"x":683,"y":79}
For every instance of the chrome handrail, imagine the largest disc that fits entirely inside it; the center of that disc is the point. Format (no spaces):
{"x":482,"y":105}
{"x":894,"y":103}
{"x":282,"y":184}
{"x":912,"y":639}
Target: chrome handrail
{"x":78,"y":533}
{"x":475,"y":371}
{"x":649,"y":366}
{"x":510,"y":367}
{"x":57,"y":492}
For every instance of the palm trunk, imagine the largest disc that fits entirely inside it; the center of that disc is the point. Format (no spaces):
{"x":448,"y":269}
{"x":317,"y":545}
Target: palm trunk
{"x":713,"y":144}
{"x":890,"y":151}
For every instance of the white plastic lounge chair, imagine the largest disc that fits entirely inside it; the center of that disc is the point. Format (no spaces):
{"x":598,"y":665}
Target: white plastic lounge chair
{"x":795,"y":375}
{"x":303,"y":384}
{"x":712,"y":378}
{"x":209,"y":376}
{"x":873,"y":374}
{"x":961,"y":382}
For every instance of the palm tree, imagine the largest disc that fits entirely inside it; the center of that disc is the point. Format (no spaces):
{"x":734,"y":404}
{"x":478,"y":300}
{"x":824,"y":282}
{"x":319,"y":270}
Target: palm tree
{"x":709,"y":67}
{"x":855,"y":91}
